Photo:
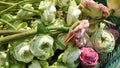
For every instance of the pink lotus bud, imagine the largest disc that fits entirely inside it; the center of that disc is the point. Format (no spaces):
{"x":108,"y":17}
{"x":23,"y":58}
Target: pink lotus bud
{"x":77,"y":35}
{"x":88,"y":57}
{"x":94,"y":10}
{"x":114,"y":32}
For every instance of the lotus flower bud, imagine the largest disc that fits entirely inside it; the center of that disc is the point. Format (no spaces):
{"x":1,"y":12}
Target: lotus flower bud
{"x":49,"y":12}
{"x":103,"y":41}
{"x":114,"y":7}
{"x":35,"y":64}
{"x":88,"y":57}
{"x":2,"y":58}
{"x":73,"y":14}
{"x":41,"y":47}
{"x":78,"y":34}
{"x":94,"y":10}
{"x":22,"y":52}
{"x":23,"y":13}
{"x":70,"y":57}
{"x":114,"y":32}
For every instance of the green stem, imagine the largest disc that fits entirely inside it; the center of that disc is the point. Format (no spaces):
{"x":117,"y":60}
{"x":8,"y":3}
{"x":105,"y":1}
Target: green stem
{"x":6,"y":3}
{"x":17,"y":36}
{"x":9,"y":32}
{"x":58,"y":28}
{"x":12,"y":7}
{"x":106,"y":21}
{"x":3,"y":21}
{"x":28,"y":33}
{"x":34,"y":11}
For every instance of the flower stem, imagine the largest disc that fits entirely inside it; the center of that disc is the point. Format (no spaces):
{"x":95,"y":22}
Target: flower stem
{"x":3,"y":21}
{"x":17,"y":36}
{"x":12,"y":7}
{"x":106,"y":21}
{"x":34,"y":11}
{"x":61,"y":28}
{"x":26,"y":34}
{"x":9,"y":32}
{"x":6,"y":3}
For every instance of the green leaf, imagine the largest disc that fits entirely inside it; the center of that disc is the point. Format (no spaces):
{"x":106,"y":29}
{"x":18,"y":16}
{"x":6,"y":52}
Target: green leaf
{"x":41,"y":29}
{"x":22,"y":25}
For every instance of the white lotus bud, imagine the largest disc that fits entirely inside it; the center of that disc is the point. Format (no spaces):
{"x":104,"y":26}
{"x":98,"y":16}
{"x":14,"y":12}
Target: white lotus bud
{"x":21,"y":14}
{"x":41,"y":47}
{"x":22,"y":52}
{"x":73,"y":14}
{"x":103,"y":41}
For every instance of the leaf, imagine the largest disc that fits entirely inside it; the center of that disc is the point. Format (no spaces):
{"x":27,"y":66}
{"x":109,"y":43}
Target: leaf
{"x":22,"y":25}
{"x":41,"y":29}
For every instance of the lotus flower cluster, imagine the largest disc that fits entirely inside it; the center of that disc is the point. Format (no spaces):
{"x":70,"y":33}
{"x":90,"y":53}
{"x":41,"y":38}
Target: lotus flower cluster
{"x":63,"y":33}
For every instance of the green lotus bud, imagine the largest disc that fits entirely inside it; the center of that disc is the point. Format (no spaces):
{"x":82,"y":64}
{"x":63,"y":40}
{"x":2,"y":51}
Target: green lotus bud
{"x":2,"y":58}
{"x":70,"y":57}
{"x":103,"y":41}
{"x":23,"y":13}
{"x":35,"y":64}
{"x":41,"y":47}
{"x":22,"y":52}
{"x":73,"y":14}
